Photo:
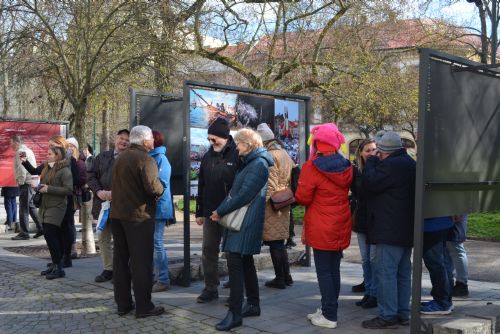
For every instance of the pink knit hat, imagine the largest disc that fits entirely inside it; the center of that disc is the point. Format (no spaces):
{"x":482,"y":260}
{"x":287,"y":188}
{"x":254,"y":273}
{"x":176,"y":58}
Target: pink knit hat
{"x":327,"y":133}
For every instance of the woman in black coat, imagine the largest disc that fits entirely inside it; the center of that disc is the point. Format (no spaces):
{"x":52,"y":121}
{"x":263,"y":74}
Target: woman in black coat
{"x":366,"y":148}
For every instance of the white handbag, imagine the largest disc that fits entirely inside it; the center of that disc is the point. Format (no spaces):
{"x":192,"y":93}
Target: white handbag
{"x":233,"y":220}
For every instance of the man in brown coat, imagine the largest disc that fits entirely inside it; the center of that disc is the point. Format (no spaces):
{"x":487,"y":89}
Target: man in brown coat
{"x":136,"y":187}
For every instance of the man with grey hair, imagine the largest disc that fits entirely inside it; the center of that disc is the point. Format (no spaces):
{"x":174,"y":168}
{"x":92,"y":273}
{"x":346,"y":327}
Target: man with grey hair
{"x":389,"y":179}
{"x":136,"y":188}
{"x":23,"y":180}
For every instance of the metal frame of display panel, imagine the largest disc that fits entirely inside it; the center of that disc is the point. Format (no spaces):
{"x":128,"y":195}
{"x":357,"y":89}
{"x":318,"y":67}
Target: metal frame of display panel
{"x":425,"y":79}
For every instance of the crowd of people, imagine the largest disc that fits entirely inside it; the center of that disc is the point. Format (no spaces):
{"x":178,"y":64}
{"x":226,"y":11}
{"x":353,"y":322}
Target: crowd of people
{"x":374,"y":197}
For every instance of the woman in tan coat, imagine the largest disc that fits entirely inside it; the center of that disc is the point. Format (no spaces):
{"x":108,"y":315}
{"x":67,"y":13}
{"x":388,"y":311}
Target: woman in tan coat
{"x":56,"y":183}
{"x":277,"y":222}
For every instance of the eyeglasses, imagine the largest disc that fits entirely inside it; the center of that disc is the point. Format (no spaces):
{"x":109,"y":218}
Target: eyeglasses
{"x":211,"y":140}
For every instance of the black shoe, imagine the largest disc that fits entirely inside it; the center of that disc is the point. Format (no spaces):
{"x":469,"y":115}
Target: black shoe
{"x":126,"y":311}
{"x":207,"y":296}
{"x":288,"y":280}
{"x":57,"y":272}
{"x":379,"y":323}
{"x":230,"y":321}
{"x":38,"y":234}
{"x":74,"y":255}
{"x":371,"y":302}
{"x":250,"y":310}
{"x":155,"y":311}
{"x":49,"y":269}
{"x":362,"y":301}
{"x":276,"y":283}
{"x":403,"y":322}
{"x":21,"y":236}
{"x":105,"y":276}
{"x":225,"y":285}
{"x":359,"y":287}
{"x":460,"y":290}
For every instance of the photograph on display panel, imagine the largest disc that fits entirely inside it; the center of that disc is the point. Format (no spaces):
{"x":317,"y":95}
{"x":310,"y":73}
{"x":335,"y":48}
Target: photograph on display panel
{"x":240,"y":110}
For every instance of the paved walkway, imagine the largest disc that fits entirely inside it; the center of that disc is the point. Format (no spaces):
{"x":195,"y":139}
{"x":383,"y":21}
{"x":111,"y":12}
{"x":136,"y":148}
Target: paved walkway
{"x":31,"y":304}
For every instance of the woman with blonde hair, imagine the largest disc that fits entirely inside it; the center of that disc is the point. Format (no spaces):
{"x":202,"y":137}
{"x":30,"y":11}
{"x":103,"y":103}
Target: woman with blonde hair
{"x":56,"y":185}
{"x":366,"y":148}
{"x":249,"y":189}
{"x":68,"y":224}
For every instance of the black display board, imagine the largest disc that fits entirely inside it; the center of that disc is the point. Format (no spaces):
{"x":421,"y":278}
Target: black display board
{"x":458,"y":160}
{"x":164,"y":113}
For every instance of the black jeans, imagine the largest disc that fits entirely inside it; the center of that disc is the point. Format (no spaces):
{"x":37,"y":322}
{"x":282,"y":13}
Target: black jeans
{"x":53,"y":237}
{"x":68,"y":228}
{"x":133,"y":261}
{"x":242,"y":273}
{"x":27,"y":209}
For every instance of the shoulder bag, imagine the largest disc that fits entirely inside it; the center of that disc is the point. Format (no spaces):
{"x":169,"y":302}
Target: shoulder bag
{"x":233,"y":220}
{"x":282,"y":198}
{"x":37,"y":199}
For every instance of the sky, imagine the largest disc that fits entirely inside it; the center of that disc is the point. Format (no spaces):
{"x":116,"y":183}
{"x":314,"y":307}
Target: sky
{"x":460,"y":12}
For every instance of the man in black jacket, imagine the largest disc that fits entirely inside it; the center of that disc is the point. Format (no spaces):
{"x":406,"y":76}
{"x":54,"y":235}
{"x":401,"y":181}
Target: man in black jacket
{"x":389,"y":179}
{"x":217,"y":171}
{"x":99,"y":181}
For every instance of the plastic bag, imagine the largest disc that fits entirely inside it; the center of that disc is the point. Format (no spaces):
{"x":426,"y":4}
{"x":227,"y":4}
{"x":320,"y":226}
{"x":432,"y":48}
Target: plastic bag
{"x":103,"y":215}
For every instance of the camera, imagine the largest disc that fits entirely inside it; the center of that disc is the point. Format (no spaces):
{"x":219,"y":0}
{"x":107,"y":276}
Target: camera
{"x":22,"y":154}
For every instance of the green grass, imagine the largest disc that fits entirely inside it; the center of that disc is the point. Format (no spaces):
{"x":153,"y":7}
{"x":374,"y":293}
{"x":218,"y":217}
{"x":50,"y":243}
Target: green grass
{"x":298,"y":211}
{"x":484,"y":226}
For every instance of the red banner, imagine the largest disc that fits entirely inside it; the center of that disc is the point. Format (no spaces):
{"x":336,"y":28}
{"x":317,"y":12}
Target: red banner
{"x":35,"y":135}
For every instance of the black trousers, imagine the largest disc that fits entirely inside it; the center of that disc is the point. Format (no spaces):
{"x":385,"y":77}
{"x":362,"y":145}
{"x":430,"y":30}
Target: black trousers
{"x":53,"y":237}
{"x":68,"y":228}
{"x":242,"y":273}
{"x":133,"y":262}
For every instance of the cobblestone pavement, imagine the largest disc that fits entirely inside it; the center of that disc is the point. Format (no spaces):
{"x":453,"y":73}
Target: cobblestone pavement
{"x":31,"y":304}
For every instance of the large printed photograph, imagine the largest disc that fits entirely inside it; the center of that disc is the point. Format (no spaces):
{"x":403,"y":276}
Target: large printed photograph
{"x":240,"y":110}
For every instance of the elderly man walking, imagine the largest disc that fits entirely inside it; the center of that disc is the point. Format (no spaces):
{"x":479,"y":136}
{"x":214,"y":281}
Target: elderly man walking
{"x":389,"y":179}
{"x":136,"y":188}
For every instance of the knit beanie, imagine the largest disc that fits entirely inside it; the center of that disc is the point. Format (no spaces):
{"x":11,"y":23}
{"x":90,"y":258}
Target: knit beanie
{"x":219,"y":128}
{"x":326,"y":133}
{"x":73,"y":142}
{"x":390,"y":142}
{"x":265,"y":132}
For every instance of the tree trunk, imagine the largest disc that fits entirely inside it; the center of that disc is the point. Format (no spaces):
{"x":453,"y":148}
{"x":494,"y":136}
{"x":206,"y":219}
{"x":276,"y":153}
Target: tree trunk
{"x":494,"y":31}
{"x":5,"y":91}
{"x":80,"y":127}
{"x":484,"y":36}
{"x":105,"y":127}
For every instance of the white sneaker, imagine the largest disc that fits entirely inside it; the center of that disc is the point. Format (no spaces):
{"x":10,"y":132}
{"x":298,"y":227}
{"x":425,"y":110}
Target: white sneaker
{"x":321,"y":321}
{"x":318,"y":312}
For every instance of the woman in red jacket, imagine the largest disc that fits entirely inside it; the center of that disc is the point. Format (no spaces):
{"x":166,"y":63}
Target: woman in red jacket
{"x":323,"y":189}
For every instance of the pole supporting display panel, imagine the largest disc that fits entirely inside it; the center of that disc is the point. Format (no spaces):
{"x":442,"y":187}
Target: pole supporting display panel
{"x":458,"y":163}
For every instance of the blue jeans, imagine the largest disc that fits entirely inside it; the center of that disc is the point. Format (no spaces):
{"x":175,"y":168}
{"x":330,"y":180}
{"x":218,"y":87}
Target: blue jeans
{"x":393,"y":272}
{"x":328,"y":271}
{"x":434,"y":256}
{"x":367,"y":256}
{"x":11,"y":209}
{"x":160,"y":254}
{"x":459,"y":260}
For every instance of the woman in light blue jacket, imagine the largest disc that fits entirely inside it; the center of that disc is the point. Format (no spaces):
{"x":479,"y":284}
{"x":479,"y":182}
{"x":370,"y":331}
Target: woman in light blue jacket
{"x":164,"y":212}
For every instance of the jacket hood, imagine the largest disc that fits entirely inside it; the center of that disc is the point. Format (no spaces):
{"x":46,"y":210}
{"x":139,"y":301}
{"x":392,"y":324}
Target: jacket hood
{"x":158,"y":150}
{"x":229,"y":144}
{"x":272,"y":144}
{"x":335,"y":167}
{"x":259,"y":152}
